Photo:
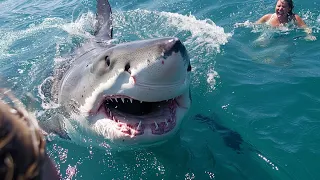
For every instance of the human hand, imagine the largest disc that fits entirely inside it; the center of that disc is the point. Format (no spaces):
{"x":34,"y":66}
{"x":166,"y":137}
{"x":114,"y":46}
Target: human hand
{"x":310,"y":37}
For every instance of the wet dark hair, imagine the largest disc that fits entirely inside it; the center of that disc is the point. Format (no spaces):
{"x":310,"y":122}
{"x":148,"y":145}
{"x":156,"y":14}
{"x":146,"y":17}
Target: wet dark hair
{"x":290,"y":4}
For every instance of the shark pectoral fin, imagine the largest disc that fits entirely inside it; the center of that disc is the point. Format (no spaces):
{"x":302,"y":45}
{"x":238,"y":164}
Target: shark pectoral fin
{"x":230,"y":137}
{"x":55,"y":125}
{"x":104,"y":25}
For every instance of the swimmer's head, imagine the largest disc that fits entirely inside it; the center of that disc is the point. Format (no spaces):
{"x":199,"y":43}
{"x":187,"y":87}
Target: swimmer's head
{"x":284,"y":7}
{"x":22,"y":145}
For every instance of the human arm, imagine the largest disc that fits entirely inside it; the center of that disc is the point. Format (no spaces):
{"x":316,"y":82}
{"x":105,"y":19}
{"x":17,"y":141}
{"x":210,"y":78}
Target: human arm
{"x":263,"y":19}
{"x":300,"y":23}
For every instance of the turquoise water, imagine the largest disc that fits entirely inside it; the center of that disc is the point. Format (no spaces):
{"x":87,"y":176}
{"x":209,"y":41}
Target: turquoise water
{"x":255,"y":90}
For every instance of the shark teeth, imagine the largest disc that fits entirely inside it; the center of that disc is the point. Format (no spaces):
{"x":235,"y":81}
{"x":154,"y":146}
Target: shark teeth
{"x":126,"y":99}
{"x":139,"y":126}
{"x":133,"y":133}
{"x":157,"y":127}
{"x":136,"y":129}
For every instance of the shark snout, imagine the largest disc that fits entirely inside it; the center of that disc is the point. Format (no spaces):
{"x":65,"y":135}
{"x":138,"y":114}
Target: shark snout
{"x":170,"y":70}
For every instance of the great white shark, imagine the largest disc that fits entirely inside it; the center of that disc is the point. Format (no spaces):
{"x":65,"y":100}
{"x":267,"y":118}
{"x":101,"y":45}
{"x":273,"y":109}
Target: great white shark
{"x":133,"y":93}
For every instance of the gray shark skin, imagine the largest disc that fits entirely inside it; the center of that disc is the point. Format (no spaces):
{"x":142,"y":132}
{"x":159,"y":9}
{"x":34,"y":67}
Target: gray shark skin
{"x":129,"y":94}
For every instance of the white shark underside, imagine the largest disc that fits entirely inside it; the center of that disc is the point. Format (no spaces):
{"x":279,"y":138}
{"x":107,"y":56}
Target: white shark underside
{"x":134,"y":93}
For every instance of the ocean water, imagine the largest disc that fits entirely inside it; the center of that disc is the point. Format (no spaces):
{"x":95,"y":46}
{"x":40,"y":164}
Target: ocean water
{"x":255,"y":90}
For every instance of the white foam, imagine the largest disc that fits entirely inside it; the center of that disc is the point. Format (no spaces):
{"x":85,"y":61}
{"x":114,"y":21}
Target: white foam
{"x":211,"y":78}
{"x":81,"y":26}
{"x":247,"y":23}
{"x":202,"y":31}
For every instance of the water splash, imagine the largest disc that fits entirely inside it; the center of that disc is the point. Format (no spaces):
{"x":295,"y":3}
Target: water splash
{"x":71,"y":171}
{"x":83,"y":26}
{"x":203,"y":32}
{"x":44,"y":92}
{"x":211,"y":78}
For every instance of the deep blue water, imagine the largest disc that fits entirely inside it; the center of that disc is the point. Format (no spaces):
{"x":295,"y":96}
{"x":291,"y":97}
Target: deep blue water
{"x":255,"y":90}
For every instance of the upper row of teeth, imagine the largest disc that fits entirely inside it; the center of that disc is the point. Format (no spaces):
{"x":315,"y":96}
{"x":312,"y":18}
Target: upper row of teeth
{"x":122,"y":99}
{"x":130,"y":99}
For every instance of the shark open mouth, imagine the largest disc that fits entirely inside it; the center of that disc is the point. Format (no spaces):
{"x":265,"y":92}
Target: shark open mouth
{"x":133,"y":117}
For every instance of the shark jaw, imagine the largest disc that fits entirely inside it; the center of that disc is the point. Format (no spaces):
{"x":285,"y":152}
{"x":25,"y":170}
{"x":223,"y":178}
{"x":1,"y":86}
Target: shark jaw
{"x":127,"y":121}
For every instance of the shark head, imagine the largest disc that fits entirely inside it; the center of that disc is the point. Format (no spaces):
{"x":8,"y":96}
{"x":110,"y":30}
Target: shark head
{"x":134,"y":93}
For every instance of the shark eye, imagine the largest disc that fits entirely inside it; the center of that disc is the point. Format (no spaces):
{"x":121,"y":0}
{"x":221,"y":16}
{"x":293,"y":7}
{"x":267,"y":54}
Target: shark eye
{"x":189,"y":67}
{"x":107,"y":60}
{"x":127,"y":67}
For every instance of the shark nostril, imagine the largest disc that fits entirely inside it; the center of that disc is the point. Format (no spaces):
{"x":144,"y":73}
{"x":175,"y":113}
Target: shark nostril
{"x":172,"y":45}
{"x":177,"y":46}
{"x":127,"y":67}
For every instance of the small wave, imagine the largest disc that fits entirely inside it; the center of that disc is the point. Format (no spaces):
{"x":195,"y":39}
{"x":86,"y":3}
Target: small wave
{"x":82,"y":27}
{"x":9,"y":37}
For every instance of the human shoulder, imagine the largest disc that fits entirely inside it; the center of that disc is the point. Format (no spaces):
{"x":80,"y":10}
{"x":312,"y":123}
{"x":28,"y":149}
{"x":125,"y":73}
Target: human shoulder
{"x":264,"y":18}
{"x":299,"y":21}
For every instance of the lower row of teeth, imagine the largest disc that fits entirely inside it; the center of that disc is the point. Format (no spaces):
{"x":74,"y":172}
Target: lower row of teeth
{"x":125,"y":127}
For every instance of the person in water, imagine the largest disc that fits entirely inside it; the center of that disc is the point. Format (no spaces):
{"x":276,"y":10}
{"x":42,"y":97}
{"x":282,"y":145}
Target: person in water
{"x":283,"y":16}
